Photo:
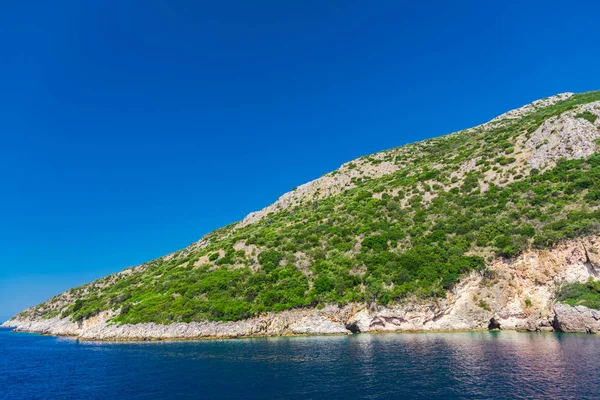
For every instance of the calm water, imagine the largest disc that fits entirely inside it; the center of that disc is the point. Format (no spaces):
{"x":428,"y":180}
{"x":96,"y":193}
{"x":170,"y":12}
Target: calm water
{"x":451,"y":365}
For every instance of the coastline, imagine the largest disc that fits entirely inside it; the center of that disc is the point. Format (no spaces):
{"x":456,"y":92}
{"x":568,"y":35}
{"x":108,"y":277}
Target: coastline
{"x":578,"y":319}
{"x":515,"y":294}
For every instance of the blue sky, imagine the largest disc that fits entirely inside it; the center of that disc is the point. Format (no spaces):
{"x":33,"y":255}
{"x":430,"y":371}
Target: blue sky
{"x":130,"y":129}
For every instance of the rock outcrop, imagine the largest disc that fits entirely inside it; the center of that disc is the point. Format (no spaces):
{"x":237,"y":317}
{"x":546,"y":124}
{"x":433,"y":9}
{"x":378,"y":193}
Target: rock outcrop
{"x":578,"y":319}
{"x":531,"y":108}
{"x":565,"y":136}
{"x":325,"y":186}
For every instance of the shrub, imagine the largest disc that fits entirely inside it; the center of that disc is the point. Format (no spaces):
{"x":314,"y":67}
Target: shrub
{"x":323,"y":284}
{"x":576,"y":293}
{"x":505,"y":160}
{"x":588,"y":116}
{"x":376,"y":242}
{"x":483,"y":304}
{"x":269,"y":259}
{"x":593,"y":195}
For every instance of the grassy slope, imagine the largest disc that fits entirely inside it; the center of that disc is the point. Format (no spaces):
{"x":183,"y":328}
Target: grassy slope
{"x":412,"y":232}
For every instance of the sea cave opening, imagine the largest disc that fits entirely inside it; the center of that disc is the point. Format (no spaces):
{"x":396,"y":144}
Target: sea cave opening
{"x":494,"y":324}
{"x":353,"y":327}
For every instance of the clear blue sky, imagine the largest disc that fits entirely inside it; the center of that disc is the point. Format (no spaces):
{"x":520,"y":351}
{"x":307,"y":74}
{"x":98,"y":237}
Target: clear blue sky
{"x":130,"y":129}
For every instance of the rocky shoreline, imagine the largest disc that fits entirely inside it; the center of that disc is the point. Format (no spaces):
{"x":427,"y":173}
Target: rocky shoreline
{"x":517,"y":294}
{"x":332,"y":320}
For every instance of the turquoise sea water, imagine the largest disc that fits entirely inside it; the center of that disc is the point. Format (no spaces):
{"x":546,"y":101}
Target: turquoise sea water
{"x":438,"y":365}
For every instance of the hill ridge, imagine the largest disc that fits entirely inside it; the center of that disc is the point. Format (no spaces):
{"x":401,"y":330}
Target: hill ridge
{"x":336,"y":185}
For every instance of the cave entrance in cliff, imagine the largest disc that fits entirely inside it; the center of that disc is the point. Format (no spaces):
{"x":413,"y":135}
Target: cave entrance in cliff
{"x":353,"y":328}
{"x":494,"y":325}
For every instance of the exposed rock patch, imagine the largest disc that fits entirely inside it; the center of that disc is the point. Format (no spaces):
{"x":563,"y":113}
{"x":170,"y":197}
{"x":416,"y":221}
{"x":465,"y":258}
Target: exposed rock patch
{"x":532,"y":107}
{"x":325,"y":186}
{"x":578,"y":319}
{"x":564,"y":136}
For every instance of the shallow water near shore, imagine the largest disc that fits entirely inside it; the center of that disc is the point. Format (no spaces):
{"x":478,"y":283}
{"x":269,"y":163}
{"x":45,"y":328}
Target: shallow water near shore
{"x":424,"y":365}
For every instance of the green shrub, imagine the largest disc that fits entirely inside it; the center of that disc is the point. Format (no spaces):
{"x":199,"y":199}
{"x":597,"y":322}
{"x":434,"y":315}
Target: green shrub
{"x":588,"y":116}
{"x":505,"y":160}
{"x":575,"y":293}
{"x":376,"y":242}
{"x":270,"y":259}
{"x":483,"y":304}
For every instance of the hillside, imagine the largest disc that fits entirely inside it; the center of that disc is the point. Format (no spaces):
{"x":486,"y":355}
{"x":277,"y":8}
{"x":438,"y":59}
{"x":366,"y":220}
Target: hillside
{"x":407,"y":226}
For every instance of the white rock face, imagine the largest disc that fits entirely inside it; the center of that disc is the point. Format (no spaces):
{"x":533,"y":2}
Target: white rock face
{"x":564,"y":136}
{"x":54,"y":326}
{"x":296,"y":322}
{"x":517,"y":294}
{"x":578,"y":319}
{"x":325,"y":186}
{"x":532,"y":107}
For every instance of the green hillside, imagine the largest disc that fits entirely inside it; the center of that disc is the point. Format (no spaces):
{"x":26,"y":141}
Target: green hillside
{"x":438,"y":210}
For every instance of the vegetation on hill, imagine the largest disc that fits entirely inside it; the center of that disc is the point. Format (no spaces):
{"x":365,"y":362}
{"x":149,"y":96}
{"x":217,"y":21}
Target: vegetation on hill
{"x":584,"y":294}
{"x":463,"y":200}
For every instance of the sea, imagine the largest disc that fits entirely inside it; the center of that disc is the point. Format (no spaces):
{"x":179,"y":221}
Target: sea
{"x":465,"y":365}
